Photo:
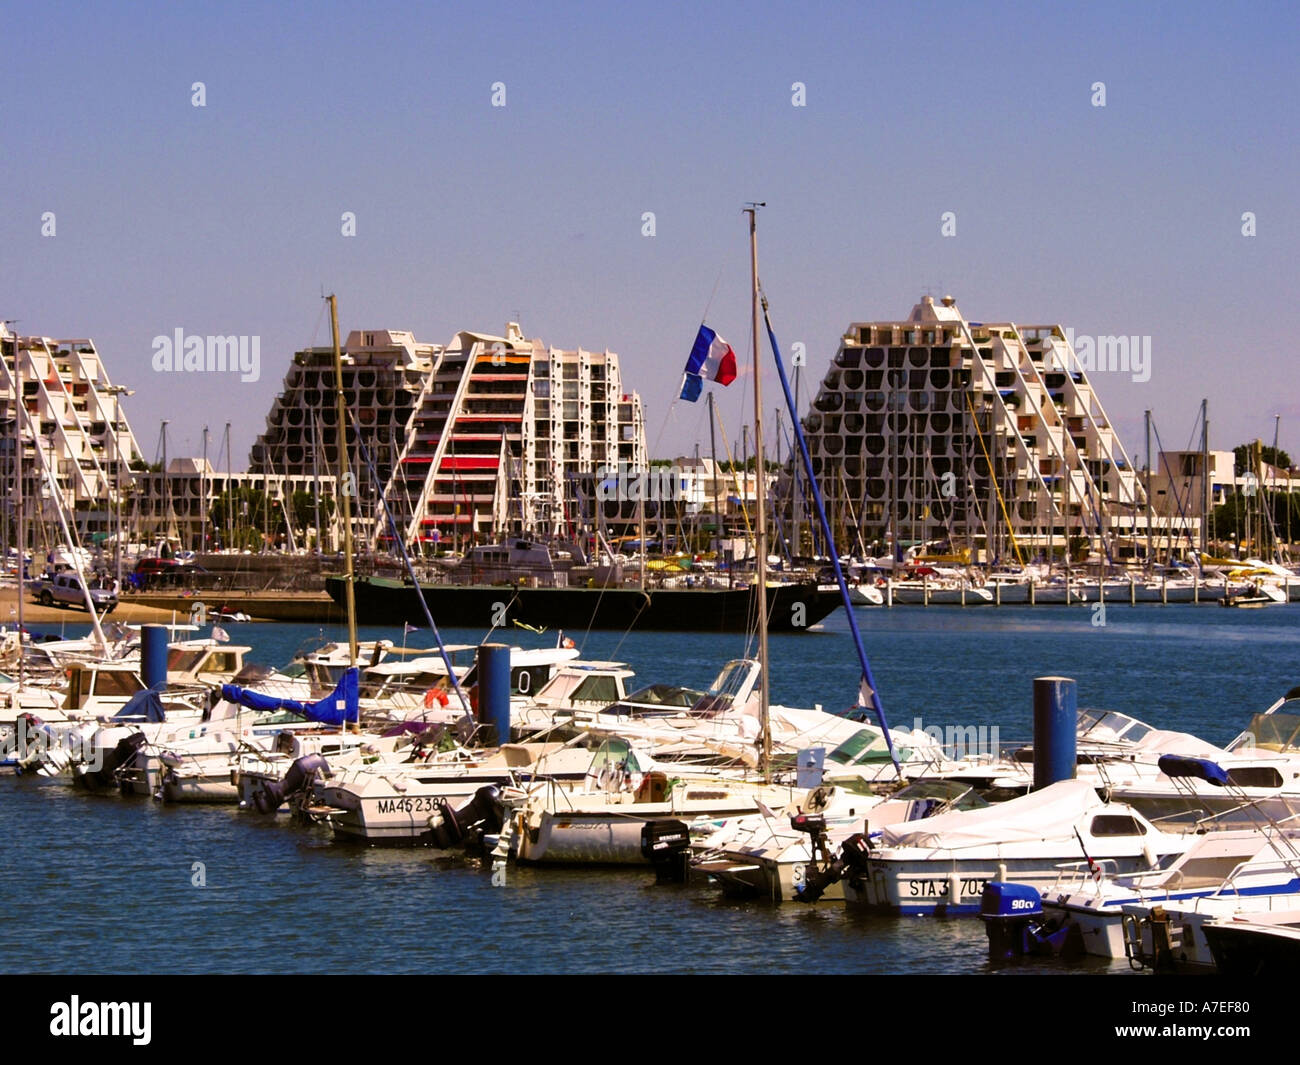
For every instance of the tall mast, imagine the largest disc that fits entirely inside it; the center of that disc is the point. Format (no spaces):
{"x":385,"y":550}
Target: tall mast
{"x":166,"y":487}
{"x":230,"y":495}
{"x":203,"y":496}
{"x":796,"y":504}
{"x":760,"y":484}
{"x":717,"y":505}
{"x":1205,"y":476}
{"x":1272,"y":479}
{"x":345,"y":486}
{"x":1150,"y":514}
{"x":19,"y":515}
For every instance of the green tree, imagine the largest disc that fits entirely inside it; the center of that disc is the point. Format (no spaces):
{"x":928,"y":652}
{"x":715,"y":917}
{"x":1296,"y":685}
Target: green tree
{"x":1269,"y":455}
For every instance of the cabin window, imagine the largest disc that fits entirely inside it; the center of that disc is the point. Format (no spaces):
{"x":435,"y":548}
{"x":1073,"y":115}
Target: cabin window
{"x":1255,"y":776}
{"x":1116,"y":825}
{"x":180,"y":660}
{"x":598,"y":689}
{"x":528,"y":679}
{"x":116,"y":683}
{"x":221,"y":662}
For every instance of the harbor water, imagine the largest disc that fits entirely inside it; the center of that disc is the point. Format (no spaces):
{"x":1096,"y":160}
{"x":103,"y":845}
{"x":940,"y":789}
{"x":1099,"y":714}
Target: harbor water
{"x":100,"y":884}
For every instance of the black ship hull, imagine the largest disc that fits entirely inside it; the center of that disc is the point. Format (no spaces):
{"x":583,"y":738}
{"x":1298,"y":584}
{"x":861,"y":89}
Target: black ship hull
{"x":385,"y":601}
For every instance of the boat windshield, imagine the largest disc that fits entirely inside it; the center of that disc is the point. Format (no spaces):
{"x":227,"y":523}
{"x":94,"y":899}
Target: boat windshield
{"x":865,"y":746}
{"x":599,"y":688}
{"x":664,"y":695}
{"x":734,"y":681}
{"x":1278,"y":731}
{"x":1109,"y":726}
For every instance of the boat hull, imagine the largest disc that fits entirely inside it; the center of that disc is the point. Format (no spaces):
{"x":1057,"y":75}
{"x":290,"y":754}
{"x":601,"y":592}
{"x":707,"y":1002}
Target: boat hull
{"x":922,"y":888}
{"x":791,"y":607}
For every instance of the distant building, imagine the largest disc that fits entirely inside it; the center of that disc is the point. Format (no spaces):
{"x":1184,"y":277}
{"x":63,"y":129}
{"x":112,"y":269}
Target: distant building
{"x":486,"y":436}
{"x":980,"y":436}
{"x":77,"y":444}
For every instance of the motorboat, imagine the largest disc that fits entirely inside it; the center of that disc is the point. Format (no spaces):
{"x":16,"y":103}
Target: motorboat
{"x":942,"y":864}
{"x":776,"y":857}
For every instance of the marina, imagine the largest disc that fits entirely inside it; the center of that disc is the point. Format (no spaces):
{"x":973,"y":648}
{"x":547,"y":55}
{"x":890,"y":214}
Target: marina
{"x":694,"y":493}
{"x":1161,"y":670}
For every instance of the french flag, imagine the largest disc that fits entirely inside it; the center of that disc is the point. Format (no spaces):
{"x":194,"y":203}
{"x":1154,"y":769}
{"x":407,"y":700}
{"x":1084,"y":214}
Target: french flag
{"x":711,"y":358}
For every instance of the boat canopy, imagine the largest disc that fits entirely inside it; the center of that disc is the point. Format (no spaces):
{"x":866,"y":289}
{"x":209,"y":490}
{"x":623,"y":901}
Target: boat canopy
{"x":1050,"y":813}
{"x":1176,"y":765}
{"x":343,"y":704}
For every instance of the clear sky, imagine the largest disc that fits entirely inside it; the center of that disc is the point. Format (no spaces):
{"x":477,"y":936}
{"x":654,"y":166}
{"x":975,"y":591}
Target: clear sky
{"x":226,"y":219}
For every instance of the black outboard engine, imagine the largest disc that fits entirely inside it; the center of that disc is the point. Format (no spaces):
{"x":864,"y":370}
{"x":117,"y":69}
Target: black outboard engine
{"x":120,"y":757}
{"x":663,"y":845}
{"x":483,"y":814}
{"x":301,"y":776}
{"x":1014,"y":921}
{"x":852,"y":860}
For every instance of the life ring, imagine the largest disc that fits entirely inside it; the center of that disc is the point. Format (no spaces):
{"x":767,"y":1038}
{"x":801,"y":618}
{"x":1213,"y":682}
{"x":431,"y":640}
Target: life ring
{"x":434,"y":695}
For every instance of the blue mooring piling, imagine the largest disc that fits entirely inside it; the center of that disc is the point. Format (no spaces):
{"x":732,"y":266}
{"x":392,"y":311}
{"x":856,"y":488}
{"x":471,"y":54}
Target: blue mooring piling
{"x":494,"y":690}
{"x":1056,"y":722}
{"x":153,"y":655}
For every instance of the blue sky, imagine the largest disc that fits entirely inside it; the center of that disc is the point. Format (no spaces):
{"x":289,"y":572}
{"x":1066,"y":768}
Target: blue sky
{"x":225,"y":219}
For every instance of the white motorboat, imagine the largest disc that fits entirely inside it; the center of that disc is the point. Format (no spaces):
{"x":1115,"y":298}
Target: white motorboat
{"x":942,"y":864}
{"x":1252,"y":871}
{"x":392,"y":803}
{"x":775,"y":857}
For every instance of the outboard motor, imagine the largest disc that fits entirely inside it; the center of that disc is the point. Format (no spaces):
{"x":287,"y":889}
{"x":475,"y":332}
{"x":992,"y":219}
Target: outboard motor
{"x":852,"y":859}
{"x":484,"y":814}
{"x":663,"y":845}
{"x":120,"y":757}
{"x":301,"y":776}
{"x":1013,"y":919}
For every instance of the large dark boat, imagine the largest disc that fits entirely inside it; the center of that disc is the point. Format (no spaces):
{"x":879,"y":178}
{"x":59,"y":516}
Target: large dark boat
{"x":392,"y":601}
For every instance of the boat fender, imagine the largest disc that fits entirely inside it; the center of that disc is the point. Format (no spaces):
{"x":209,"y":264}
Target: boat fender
{"x":1149,"y":853}
{"x":954,"y":889}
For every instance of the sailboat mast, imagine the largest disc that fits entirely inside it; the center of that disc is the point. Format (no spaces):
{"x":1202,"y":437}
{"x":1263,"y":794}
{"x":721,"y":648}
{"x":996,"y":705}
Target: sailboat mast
{"x":19,"y":514}
{"x":1150,"y":506}
{"x":345,"y":485}
{"x":203,"y":495}
{"x":760,"y":485}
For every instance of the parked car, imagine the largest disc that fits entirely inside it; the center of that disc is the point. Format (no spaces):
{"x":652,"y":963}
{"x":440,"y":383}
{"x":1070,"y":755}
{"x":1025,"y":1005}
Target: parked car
{"x":66,"y":589}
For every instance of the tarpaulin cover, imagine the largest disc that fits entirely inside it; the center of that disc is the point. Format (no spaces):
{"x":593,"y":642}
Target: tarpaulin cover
{"x":1176,"y":765}
{"x":1052,"y":812}
{"x":339,"y":706}
{"x":142,"y":706}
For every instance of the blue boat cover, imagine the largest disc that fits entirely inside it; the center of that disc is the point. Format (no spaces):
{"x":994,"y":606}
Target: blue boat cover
{"x":1177,"y":765}
{"x":142,"y":706}
{"x":339,"y":706}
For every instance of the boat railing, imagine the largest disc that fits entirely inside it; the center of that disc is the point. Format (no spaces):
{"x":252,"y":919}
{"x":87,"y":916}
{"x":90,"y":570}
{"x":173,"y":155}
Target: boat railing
{"x":1072,"y":877}
{"x":1258,"y":866}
